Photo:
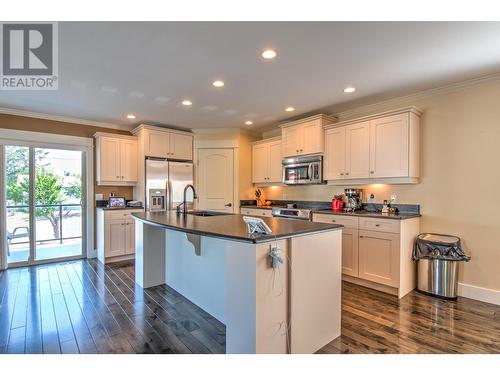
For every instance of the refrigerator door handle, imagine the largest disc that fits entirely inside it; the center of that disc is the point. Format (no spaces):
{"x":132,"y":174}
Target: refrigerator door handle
{"x":168,"y":188}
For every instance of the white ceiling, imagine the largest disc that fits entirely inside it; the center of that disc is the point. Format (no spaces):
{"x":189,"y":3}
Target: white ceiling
{"x":110,"y":69}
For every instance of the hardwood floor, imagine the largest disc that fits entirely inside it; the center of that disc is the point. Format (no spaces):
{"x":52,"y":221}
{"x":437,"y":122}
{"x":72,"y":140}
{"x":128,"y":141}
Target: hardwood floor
{"x":84,"y":307}
{"x":375,"y":322}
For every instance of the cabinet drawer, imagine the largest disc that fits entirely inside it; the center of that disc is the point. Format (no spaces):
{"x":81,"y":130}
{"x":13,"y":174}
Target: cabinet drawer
{"x":118,"y":214}
{"x":346,"y":221}
{"x":257,"y":212}
{"x":379,"y":225}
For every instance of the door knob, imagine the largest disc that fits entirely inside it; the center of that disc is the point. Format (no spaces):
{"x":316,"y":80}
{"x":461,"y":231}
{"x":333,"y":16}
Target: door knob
{"x":228,"y":205}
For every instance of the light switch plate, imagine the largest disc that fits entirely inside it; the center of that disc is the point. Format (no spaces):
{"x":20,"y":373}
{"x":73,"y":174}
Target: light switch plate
{"x":98,"y":197}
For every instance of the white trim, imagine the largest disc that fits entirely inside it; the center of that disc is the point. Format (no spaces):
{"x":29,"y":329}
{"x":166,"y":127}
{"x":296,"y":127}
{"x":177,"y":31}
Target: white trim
{"x":479,"y":293}
{"x":3,"y":237}
{"x":397,"y":111}
{"x":29,"y":138}
{"x":369,"y":181}
{"x":68,"y":142}
{"x":73,"y":120}
{"x":410,"y":98}
{"x":265,"y":140}
{"x":113,"y":135}
{"x":160,"y":128}
{"x":320,"y":116}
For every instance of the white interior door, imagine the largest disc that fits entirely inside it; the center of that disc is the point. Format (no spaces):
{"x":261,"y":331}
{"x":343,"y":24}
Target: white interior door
{"x":215,"y":182}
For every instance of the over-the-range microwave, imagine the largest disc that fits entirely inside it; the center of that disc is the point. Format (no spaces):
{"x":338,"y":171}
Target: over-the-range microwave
{"x":303,"y":170}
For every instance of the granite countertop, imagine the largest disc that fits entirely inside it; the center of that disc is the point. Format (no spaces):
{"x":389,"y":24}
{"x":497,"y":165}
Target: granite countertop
{"x":119,"y":208}
{"x":262,"y":207}
{"x":361,"y":213}
{"x":232,"y":226}
{"x":378,"y":215}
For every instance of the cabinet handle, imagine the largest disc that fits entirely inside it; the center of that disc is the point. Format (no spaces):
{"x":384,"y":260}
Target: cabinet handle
{"x":361,"y":236}
{"x":377,"y":225}
{"x":228,"y":205}
{"x":347,"y":173}
{"x":122,"y":177}
{"x":341,"y":174}
{"x":301,"y":150}
{"x":334,"y":221}
{"x":372,"y":172}
{"x":297,"y":151}
{"x":117,"y":176}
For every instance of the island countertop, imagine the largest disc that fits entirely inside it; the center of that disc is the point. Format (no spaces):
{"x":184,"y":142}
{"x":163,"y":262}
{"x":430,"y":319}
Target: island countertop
{"x":232,"y":226}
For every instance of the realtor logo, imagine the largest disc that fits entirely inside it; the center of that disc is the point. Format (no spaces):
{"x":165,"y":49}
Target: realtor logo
{"x":28,"y":56}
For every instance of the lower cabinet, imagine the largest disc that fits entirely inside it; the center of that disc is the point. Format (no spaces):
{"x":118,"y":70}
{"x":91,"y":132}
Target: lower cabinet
{"x":264,"y":212}
{"x":350,"y":252}
{"x":377,"y":252}
{"x":115,"y":235}
{"x":379,"y":257}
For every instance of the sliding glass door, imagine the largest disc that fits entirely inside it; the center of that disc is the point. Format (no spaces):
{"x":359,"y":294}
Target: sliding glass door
{"x":44,"y":192}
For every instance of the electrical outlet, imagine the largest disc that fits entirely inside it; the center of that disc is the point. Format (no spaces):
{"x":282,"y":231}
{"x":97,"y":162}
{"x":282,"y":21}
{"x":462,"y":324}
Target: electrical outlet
{"x":394,"y":198}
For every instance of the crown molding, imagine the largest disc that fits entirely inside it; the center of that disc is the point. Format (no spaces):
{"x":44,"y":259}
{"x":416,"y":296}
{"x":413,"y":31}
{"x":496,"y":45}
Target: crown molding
{"x":72,"y":120}
{"x":326,"y":118}
{"x":407,"y":100}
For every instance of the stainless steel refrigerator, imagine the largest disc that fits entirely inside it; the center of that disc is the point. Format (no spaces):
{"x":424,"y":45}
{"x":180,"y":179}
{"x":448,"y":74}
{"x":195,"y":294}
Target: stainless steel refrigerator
{"x":165,"y":182}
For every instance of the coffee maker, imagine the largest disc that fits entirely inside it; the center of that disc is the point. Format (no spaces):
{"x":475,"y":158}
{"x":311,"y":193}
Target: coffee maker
{"x":354,"y":199}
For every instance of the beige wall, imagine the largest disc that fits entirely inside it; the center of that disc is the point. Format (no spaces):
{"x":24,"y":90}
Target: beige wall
{"x":460,"y":155}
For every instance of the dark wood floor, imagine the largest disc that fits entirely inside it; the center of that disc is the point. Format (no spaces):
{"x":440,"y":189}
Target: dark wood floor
{"x":83,"y":307}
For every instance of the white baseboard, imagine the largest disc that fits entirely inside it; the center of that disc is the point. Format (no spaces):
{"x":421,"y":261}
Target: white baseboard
{"x":478,"y":293}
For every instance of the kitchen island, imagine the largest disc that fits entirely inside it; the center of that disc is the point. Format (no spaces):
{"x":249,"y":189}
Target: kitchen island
{"x":215,"y":263}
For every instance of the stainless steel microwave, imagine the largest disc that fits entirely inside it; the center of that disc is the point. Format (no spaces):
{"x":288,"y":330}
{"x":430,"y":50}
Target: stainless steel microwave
{"x":303,"y":170}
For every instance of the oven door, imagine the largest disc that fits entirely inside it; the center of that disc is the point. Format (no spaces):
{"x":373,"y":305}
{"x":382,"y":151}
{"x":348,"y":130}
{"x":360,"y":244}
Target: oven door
{"x":303,"y":173}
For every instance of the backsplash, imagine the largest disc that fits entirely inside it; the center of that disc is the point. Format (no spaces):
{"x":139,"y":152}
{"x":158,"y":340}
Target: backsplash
{"x":321,"y":205}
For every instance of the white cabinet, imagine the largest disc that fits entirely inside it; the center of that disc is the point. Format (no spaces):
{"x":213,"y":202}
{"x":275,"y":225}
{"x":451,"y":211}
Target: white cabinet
{"x":181,"y":146}
{"x":115,"y":234}
{"x":334,"y":161}
{"x":389,"y":146}
{"x":165,"y":143}
{"x":357,"y":160}
{"x":350,"y":252}
{"x":380,"y":148}
{"x":116,"y":159}
{"x":266,"y":161}
{"x":305,"y":136}
{"x":379,"y":257}
{"x":347,"y":152}
{"x":264,"y":212}
{"x":376,"y":252}
{"x":157,"y":144}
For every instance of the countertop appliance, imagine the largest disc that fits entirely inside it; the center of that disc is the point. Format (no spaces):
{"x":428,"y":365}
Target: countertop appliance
{"x":354,"y":199}
{"x":165,"y":183}
{"x":292,"y":213}
{"x":303,"y":170}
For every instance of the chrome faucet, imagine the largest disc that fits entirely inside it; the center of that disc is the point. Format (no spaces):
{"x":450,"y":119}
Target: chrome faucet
{"x":184,"y":203}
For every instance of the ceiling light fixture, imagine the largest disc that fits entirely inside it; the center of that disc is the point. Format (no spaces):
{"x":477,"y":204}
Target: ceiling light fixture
{"x":289,"y":109}
{"x":131,"y":117}
{"x":248,"y":122}
{"x":349,"y":89}
{"x":218,"y":83}
{"x":187,"y":103}
{"x":269,"y":54}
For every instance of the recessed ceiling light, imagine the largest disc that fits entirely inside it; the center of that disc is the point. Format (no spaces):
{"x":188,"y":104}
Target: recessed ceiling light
{"x":289,"y":109}
{"x":218,"y":83}
{"x":131,"y":117}
{"x":248,"y":122}
{"x":349,"y":89}
{"x":187,"y":103}
{"x":269,"y":54}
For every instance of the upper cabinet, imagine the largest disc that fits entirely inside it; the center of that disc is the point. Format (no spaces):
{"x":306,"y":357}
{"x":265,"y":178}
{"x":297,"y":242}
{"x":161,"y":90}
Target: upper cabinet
{"x":305,"y":136}
{"x":116,"y":159}
{"x":266,"y":161}
{"x":165,"y":143}
{"x":382,"y":147}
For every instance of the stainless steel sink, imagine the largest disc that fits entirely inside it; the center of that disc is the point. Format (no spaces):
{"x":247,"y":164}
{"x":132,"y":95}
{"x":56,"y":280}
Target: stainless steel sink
{"x":208,"y":213}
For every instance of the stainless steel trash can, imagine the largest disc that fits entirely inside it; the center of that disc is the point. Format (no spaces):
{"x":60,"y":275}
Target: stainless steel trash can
{"x":438,"y":256}
{"x":438,"y":277}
